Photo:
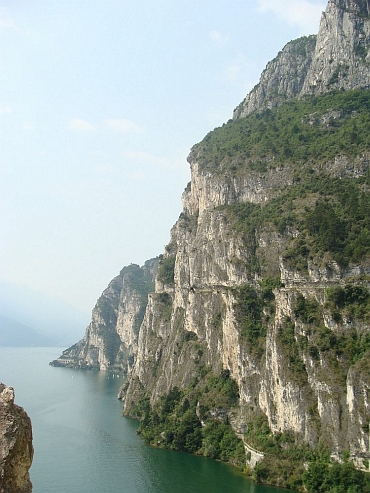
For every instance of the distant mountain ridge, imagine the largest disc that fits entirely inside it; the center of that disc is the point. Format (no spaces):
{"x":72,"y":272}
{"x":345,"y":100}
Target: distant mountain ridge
{"x":47,"y":319}
{"x":12,"y":333}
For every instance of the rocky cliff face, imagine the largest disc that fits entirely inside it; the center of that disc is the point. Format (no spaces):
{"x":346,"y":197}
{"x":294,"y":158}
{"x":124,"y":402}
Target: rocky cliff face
{"x":267,"y":274}
{"x":16,"y":449}
{"x":110,"y":341}
{"x":336,"y":59}
{"x":216,"y":311}
{"x":197,"y":321}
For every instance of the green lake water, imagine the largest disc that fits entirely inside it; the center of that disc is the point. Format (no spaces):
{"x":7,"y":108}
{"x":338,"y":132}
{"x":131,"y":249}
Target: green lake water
{"x":84,"y":445}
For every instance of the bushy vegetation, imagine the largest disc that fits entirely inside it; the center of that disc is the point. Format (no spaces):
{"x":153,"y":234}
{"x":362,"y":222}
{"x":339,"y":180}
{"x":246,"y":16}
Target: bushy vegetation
{"x":175,"y":421}
{"x":307,"y":310}
{"x":292,"y":350}
{"x":346,"y":343}
{"x":165,"y":306}
{"x":285,"y":459}
{"x":268,"y":284}
{"x":284,"y":455}
{"x":249,"y":314}
{"x":254,"y":306}
{"x":189,"y":222}
{"x":286,"y":470}
{"x":166,"y":271}
{"x":351,"y":299}
{"x":292,"y":131}
{"x":331,"y":215}
{"x":323,"y":477}
{"x":195,"y":420}
{"x":138,"y":279}
{"x":350,"y":302}
{"x":142,"y":281}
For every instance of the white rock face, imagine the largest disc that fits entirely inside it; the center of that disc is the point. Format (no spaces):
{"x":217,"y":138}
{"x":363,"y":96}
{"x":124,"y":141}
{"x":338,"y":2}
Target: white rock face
{"x":341,"y":55}
{"x":283,"y":78}
{"x":211,"y":260}
{"x":312,"y":399}
{"x":358,"y":402}
{"x":209,"y":191}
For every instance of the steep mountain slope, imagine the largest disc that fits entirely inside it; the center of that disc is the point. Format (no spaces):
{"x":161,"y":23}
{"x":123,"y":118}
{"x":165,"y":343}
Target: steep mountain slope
{"x":270,"y":274}
{"x":270,"y":281}
{"x":255,"y":343}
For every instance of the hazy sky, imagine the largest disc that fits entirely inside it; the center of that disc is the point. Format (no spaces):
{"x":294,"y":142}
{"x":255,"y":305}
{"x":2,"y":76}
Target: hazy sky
{"x":100,"y":103}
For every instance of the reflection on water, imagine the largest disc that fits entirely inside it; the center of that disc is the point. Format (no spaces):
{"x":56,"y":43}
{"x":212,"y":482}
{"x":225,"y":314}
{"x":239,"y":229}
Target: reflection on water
{"x":84,"y":445}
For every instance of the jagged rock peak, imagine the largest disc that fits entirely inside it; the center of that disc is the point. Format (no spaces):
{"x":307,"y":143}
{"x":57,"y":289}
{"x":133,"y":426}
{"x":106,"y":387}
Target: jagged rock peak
{"x":337,"y":58}
{"x":282,"y":79}
{"x":16,"y":450}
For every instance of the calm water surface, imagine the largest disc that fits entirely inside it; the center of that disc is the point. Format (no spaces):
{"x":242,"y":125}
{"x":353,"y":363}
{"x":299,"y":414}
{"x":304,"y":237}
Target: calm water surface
{"x":84,"y":445}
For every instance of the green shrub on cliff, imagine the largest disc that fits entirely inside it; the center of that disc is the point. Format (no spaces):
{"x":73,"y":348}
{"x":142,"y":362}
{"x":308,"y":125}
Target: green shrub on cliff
{"x":330,"y":214}
{"x":174,"y":422}
{"x":285,"y":456}
{"x":353,"y":299}
{"x":323,"y":477}
{"x":166,"y":271}
{"x":248,"y":311}
{"x":316,"y":128}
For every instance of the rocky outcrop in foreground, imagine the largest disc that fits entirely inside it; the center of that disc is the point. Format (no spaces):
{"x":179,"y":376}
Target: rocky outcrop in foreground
{"x":16,"y":450}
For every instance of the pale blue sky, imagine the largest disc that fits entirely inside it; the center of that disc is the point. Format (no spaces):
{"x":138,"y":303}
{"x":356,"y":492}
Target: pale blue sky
{"x":100,"y":103}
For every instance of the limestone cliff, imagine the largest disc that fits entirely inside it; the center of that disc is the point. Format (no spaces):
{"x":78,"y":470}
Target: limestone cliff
{"x":261,"y":277}
{"x":16,"y":449}
{"x":284,"y":369}
{"x":337,"y":58}
{"x":266,"y":279}
{"x":110,"y":341}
